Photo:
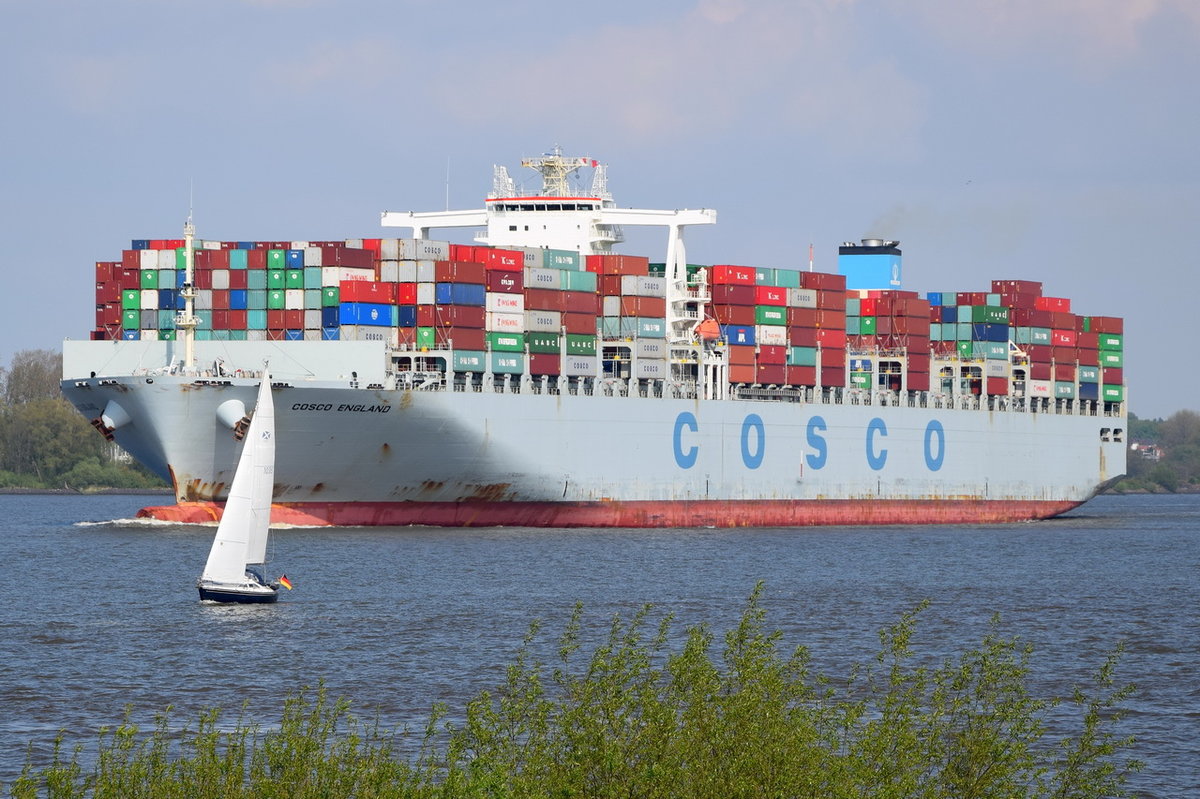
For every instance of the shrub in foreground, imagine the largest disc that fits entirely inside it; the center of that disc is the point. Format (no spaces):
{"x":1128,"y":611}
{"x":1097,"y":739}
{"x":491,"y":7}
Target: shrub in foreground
{"x":642,"y":717}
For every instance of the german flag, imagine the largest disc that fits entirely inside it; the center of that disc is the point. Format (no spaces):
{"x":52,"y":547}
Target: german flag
{"x":285,"y":582}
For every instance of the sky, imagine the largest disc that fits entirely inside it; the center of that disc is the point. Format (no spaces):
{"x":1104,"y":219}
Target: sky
{"x":1048,"y":140}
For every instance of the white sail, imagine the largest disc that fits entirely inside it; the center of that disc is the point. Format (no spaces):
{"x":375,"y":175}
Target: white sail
{"x":242,"y":533}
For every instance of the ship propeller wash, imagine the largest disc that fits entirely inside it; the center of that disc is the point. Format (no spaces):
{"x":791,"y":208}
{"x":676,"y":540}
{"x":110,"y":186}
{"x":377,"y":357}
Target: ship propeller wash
{"x":535,"y":376}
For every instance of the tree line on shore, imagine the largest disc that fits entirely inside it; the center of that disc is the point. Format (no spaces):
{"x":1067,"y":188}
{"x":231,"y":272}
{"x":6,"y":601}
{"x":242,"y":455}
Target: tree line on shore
{"x":46,"y":444}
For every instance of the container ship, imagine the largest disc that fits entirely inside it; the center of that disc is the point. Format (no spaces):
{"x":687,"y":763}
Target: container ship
{"x":537,"y":377}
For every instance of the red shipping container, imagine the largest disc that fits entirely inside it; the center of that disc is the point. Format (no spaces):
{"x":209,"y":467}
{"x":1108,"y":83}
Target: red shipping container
{"x":1053,"y":304}
{"x":426,"y":317}
{"x":609,"y":285}
{"x":917,"y":381}
{"x":997,"y":385}
{"x":741,"y":373}
{"x":347,"y":256}
{"x":731,"y":274}
{"x":910,"y":326}
{"x":256,"y":259}
{"x":237,"y":320}
{"x":543,"y":299}
{"x":581,"y":302}
{"x":1114,"y":325}
{"x":883,"y":325}
{"x":822,"y":280}
{"x":1040,"y":371}
{"x":462,"y":252}
{"x":1064,"y":371}
{"x":1062,"y":338}
{"x":275,"y":320}
{"x":918,"y":361}
{"x":833,"y":376}
{"x":772,"y":355}
{"x":238,"y":279}
{"x":833,"y":358}
{"x":220,"y":320}
{"x":833,"y":318}
{"x":581,"y":324}
{"x":1011,"y":300}
{"x":831,"y":300}
{"x":802,"y":375}
{"x":733,"y":294}
{"x":802,"y":336}
{"x":741,"y":355}
{"x":293,"y":320}
{"x":505,"y":282}
{"x":202,"y":279}
{"x":770,"y":374}
{"x":802,"y":317}
{"x":915,"y":308}
{"x":100,"y":335}
{"x":647,"y":307}
{"x":460,"y":316}
{"x":367,"y":291}
{"x":220,"y":300}
{"x":1087,"y":341}
{"x":1114,"y":376}
{"x":1028,"y":287}
{"x":461,"y":338}
{"x":770,"y":295}
{"x":406,"y":293}
{"x":276,"y":334}
{"x":108,"y":292}
{"x":105,"y":271}
{"x":733,"y":314}
{"x":831,"y":339}
{"x":131,"y":259}
{"x":618,"y":264}
{"x":1064,"y":354}
{"x":500,"y":259}
{"x":217,"y":259}
{"x":544,"y":363}
{"x":406,"y":336}
{"x":108,"y":315}
{"x":459,"y":272}
{"x":1039,"y":354}
{"x":128,"y":278}
{"x":944,"y":348}
{"x":1088,"y":357}
{"x":375,"y":246}
{"x":868,"y":306}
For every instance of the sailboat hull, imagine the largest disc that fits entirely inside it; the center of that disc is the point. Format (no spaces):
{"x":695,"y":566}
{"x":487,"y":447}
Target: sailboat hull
{"x":241,"y":594}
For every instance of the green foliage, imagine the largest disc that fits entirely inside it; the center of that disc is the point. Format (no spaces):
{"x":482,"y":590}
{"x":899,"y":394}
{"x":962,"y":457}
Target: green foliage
{"x":642,"y":717}
{"x":1179,"y":438}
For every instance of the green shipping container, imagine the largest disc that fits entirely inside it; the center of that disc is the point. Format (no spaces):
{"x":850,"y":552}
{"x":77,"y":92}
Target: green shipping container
{"x":866,"y":325}
{"x":1039,"y":336}
{"x":1089,"y":374}
{"x":237,"y":259}
{"x":579,"y":281}
{"x":567,"y":260}
{"x":426,"y":337}
{"x":275,"y":300}
{"x":764,"y":276}
{"x":204,"y":335}
{"x":1111,"y":393}
{"x":770,"y":315}
{"x":802,"y":356}
{"x":205,"y":318}
{"x":234,"y":335}
{"x":610,"y":326}
{"x":853,"y":326}
{"x":276,"y":278}
{"x":996,"y":350}
{"x":543,"y":342}
{"x":256,"y":279}
{"x":166,"y":320}
{"x":220,"y":335}
{"x":853,"y":306}
{"x":468,"y":361}
{"x":578,"y":344}
{"x":256,"y":299}
{"x":276,"y":259}
{"x":1112,"y":359}
{"x":329,"y":297}
{"x":787,"y":278}
{"x":1064,"y":390}
{"x":506,"y":342}
{"x":1114,"y":342}
{"x":860,"y":379}
{"x":131,"y":319}
{"x":294,"y":279}
{"x":181,"y":258}
{"x":989,"y":314}
{"x":964,"y":349}
{"x":169,"y":335}
{"x":148,"y":279}
{"x":649,"y":327}
{"x":508,"y":364}
{"x":131,"y":300}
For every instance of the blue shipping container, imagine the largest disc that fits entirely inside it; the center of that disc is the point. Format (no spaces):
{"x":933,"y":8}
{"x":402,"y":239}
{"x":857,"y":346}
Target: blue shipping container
{"x":139,"y":244}
{"x":949,"y":313}
{"x":295,"y":259}
{"x":330,"y":315}
{"x":366,"y":313}
{"x":738,"y":334}
{"x":406,"y":316}
{"x":166,"y":298}
{"x":459,"y":294}
{"x":331,"y":333}
{"x":237,"y":299}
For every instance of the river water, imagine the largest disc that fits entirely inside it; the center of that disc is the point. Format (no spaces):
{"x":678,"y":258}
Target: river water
{"x":100,"y":613}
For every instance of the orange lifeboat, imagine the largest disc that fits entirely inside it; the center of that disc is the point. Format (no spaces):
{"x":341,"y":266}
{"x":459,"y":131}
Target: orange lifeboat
{"x":708,"y":330}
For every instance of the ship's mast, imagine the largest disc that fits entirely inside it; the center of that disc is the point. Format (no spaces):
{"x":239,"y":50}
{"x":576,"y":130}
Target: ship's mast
{"x":187,"y":321}
{"x":555,"y":169}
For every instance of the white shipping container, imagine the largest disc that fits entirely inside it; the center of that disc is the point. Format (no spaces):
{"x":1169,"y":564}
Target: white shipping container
{"x":535,"y":258}
{"x":771,"y":335}
{"x":543,"y":279}
{"x":206,"y":245}
{"x":641,"y":286}
{"x":312,"y":256}
{"x":312,"y":335}
{"x":203,"y":300}
{"x":148,"y":300}
{"x":543,"y":321}
{"x":652,"y":348}
{"x":426,"y":293}
{"x":256,"y":335}
{"x":148,"y":335}
{"x":298,"y":245}
{"x":997,"y":369}
{"x":611,"y":306}
{"x":505,"y":322}
{"x":1041,"y":388}
{"x":166,"y":258}
{"x":148,"y":259}
{"x":649,"y":369}
{"x":389,"y":249}
{"x":333,"y":275}
{"x":426,"y":272}
{"x":802,"y":298}
{"x":220,"y":279}
{"x":293,"y":299}
{"x":312,"y":320}
{"x":423,"y":249}
{"x":499,"y":302}
{"x":578,"y":366}
{"x":388,"y":335}
{"x":389,"y":272}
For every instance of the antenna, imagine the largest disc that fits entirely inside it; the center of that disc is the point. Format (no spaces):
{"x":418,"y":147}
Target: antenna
{"x":447,"y":183}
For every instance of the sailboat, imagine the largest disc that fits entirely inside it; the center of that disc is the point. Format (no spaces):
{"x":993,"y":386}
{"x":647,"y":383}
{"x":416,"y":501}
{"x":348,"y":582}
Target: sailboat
{"x":235,"y":568}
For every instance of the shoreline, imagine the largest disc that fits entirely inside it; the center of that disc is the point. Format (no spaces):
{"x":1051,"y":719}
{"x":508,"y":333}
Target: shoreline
{"x":89,"y":491}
